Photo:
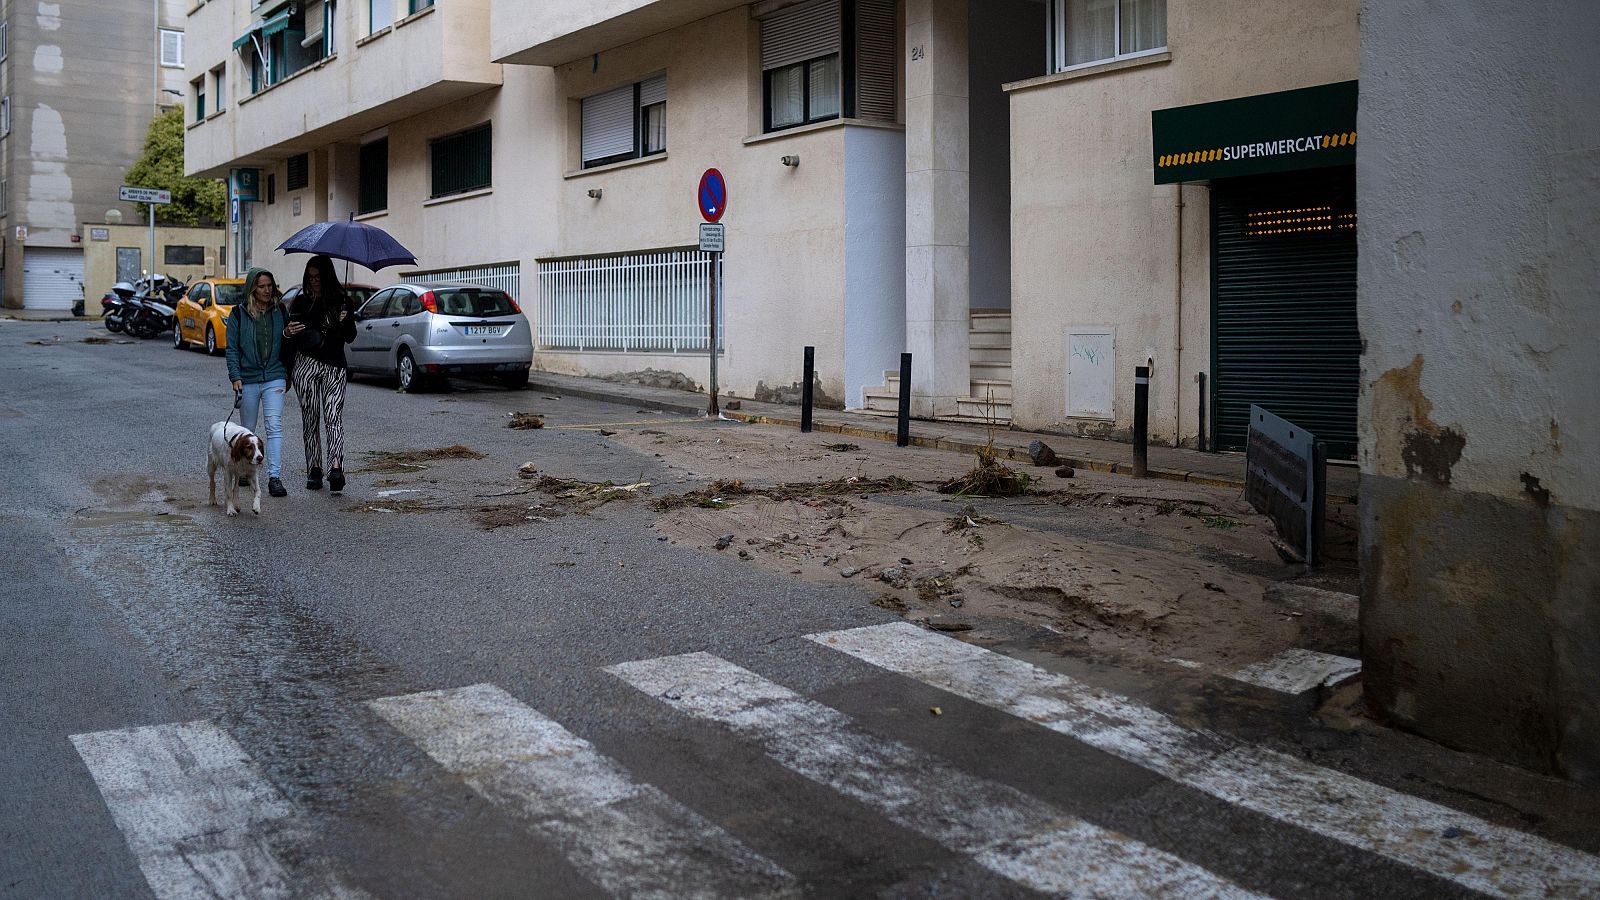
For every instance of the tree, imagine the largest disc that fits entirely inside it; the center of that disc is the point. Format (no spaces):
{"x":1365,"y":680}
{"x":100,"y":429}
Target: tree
{"x":195,"y":201}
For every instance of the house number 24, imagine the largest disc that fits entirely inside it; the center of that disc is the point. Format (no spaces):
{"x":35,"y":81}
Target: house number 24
{"x":917,"y":53}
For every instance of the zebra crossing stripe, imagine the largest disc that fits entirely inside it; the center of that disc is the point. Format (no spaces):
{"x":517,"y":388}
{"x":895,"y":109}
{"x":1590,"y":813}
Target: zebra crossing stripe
{"x":1004,"y":830}
{"x":1295,"y":671}
{"x":1444,"y":842}
{"x":199,"y":817}
{"x":629,"y":838}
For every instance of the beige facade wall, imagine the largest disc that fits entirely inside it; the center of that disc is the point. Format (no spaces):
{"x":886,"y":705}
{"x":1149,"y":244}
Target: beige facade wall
{"x":100,"y":257}
{"x":785,"y":273}
{"x":1094,"y":240}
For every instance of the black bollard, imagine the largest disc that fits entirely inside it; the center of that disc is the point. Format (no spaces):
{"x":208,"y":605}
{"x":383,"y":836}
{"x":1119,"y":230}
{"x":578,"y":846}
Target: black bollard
{"x":1200,"y":442}
{"x":1141,"y":421}
{"x":805,"y":390}
{"x":903,"y":432}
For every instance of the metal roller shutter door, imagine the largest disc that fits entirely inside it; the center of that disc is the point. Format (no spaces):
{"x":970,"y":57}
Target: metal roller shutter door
{"x":1284,"y":332}
{"x":52,"y":278}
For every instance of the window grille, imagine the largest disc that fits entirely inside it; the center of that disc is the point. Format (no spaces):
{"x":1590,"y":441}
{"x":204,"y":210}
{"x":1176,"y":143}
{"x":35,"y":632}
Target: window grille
{"x":299,"y":172}
{"x":644,"y":302}
{"x":373,"y":193}
{"x":463,"y":162}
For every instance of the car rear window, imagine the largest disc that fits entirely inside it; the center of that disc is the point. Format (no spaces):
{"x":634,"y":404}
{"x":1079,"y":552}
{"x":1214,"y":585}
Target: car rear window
{"x":229,"y":294}
{"x":483,"y":304}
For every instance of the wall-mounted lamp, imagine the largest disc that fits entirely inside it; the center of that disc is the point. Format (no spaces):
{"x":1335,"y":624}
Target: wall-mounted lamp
{"x":595,"y":193}
{"x":175,"y":93}
{"x":792,"y":162}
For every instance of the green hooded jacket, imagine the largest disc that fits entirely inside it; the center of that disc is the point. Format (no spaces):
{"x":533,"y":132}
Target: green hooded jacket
{"x":244,"y":356}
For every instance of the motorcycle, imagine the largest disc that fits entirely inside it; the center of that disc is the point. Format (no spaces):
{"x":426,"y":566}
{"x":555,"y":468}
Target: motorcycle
{"x":113,"y":306}
{"x":155,"y":307}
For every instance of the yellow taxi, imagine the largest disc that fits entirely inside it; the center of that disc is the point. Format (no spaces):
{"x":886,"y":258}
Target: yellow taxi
{"x":202,"y":314}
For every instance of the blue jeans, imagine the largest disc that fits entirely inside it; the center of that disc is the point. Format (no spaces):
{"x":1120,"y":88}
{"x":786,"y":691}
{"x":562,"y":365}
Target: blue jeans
{"x":268,"y":398}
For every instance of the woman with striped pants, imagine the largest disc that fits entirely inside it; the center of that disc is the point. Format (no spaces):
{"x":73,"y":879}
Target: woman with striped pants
{"x":321,"y":324}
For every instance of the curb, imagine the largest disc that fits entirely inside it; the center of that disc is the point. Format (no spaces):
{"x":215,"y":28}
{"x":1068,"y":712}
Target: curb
{"x":865,"y":432}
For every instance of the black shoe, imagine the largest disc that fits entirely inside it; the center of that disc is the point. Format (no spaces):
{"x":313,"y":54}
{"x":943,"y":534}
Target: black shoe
{"x":275,"y":487}
{"x":335,"y":480}
{"x":244,"y":481}
{"x":314,"y":480}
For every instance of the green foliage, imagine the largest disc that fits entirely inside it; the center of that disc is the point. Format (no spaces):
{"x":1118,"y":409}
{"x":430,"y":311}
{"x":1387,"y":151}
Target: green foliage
{"x":195,"y":201}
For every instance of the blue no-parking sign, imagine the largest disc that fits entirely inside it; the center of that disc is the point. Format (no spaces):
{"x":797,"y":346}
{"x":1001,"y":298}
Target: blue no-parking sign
{"x":713,"y":195}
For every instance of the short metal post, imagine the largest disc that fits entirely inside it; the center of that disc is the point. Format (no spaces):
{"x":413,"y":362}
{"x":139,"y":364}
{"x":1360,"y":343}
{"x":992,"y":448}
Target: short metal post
{"x":1318,"y":532}
{"x":805,"y":389}
{"x":903,"y":432}
{"x":1200,"y":378}
{"x":1141,"y":421}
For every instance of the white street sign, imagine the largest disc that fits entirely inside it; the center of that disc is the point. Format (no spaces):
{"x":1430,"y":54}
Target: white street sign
{"x":143,"y":195}
{"x":711,"y":237}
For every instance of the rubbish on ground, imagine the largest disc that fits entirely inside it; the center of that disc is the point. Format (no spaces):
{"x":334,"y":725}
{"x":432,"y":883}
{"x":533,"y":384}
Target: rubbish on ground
{"x":940,"y":625}
{"x":895,"y":577}
{"x":96,"y":339}
{"x":724,"y":541}
{"x":527,"y":470}
{"x":732,"y":404}
{"x":890,"y":602}
{"x":605,"y":432}
{"x":550,"y":397}
{"x":1065,"y":472}
{"x":1041,"y":454}
{"x":398,"y":491}
{"x":587,"y":494}
{"x":490,"y":518}
{"x":524,"y":421}
{"x":988,"y":479}
{"x":744,"y":554}
{"x":400,"y":460}
{"x":849,"y":571}
{"x":843,"y":448}
{"x":936,"y":710}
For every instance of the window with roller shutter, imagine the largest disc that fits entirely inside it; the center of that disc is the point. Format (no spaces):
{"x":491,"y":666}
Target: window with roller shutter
{"x":829,"y":59}
{"x":629,"y":122}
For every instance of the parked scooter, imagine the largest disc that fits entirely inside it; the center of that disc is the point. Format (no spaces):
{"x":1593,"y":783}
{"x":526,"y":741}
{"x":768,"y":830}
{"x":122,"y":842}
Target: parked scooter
{"x":114,"y":306}
{"x":155,"y":307}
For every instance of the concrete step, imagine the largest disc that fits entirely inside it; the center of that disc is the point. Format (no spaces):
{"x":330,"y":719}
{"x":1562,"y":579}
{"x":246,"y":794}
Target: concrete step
{"x":989,"y":340}
{"x":880,"y":403}
{"x":999,"y":410}
{"x":991,"y":388}
{"x":990,"y":372}
{"x":989,"y":356}
{"x":990,"y":322}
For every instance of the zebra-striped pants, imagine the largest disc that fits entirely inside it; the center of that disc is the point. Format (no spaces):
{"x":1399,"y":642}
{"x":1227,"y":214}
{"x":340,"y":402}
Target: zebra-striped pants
{"x":320,"y":388}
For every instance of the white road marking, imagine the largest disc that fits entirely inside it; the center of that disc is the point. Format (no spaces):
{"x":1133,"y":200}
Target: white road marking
{"x":629,"y":838}
{"x":1005,"y":831}
{"x":1295,"y":671}
{"x":200,"y":819}
{"x":1436,"y":839}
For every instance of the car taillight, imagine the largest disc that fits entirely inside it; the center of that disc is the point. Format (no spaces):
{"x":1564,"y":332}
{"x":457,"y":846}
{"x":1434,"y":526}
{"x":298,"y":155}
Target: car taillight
{"x":513,"y":301}
{"x":429,"y":303}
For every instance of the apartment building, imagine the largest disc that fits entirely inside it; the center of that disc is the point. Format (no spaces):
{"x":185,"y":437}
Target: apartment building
{"x":80,"y":81}
{"x":903,"y":175}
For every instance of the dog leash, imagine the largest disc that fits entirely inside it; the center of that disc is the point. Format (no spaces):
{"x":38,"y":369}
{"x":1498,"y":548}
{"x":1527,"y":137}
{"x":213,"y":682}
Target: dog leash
{"x":238,"y":400}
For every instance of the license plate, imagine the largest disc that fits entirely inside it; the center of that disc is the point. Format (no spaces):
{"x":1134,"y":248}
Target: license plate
{"x":491,"y":330}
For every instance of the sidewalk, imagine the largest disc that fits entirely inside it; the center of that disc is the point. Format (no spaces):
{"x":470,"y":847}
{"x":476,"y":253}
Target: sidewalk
{"x":44,"y":315}
{"x":1217,"y":469}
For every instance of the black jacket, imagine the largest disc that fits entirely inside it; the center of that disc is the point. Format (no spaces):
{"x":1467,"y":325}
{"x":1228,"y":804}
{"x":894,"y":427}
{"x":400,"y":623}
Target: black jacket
{"x":325,"y":336}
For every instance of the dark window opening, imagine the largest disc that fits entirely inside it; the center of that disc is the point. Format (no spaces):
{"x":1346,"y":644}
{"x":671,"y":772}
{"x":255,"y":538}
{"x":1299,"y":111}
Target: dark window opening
{"x":462,"y":162}
{"x":183,"y":255}
{"x":373,"y":191}
{"x":299,"y":172}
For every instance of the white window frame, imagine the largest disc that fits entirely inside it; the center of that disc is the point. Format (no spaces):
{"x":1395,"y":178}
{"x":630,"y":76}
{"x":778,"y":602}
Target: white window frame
{"x":372,"y":22}
{"x":5,"y":115}
{"x":5,"y":196}
{"x":1058,"y":39}
{"x":161,"y":48}
{"x":638,"y":106}
{"x":5,"y":40}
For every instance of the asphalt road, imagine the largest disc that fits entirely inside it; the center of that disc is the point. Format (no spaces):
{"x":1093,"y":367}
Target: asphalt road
{"x":328,"y":700}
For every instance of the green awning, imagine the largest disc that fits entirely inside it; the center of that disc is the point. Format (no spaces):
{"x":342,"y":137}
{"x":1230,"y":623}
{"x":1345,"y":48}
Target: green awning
{"x":1308,"y":128}
{"x":271,"y":26}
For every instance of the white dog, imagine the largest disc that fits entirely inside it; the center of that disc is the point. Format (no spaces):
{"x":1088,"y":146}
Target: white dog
{"x":237,"y":451}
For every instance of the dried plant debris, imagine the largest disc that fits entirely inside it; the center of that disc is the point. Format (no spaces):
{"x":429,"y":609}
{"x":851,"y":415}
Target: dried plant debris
{"x":490,"y":518}
{"x":588,"y":495}
{"x":720,"y":494}
{"x":393,"y":505}
{"x":890,"y":602}
{"x":406,"y":460}
{"x":524,"y":421}
{"x":842,"y":448}
{"x":988,"y":479}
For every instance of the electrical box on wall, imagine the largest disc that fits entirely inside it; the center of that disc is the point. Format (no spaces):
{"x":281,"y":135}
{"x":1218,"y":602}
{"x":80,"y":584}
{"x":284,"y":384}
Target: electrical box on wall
{"x":1091,"y":370}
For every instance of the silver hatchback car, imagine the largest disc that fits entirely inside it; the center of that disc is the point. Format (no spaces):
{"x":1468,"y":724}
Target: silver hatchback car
{"x":422,"y":333}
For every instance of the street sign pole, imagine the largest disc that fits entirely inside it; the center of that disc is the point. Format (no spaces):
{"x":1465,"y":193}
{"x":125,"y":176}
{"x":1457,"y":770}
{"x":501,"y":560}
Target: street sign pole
{"x":152,"y":242}
{"x":711,"y":407}
{"x":712,"y":197}
{"x":151,"y":197}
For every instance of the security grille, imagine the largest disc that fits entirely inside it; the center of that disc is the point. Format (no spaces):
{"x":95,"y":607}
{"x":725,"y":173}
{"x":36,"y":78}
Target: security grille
{"x":649,"y":302}
{"x":299,"y":172}
{"x":463,"y":162}
{"x":495,"y":276}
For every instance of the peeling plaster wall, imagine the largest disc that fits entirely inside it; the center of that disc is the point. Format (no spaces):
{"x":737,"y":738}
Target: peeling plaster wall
{"x":1479,"y":190}
{"x":83,"y":84}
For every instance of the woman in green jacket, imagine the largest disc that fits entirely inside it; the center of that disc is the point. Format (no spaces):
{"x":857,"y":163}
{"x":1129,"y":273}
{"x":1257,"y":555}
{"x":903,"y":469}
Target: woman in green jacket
{"x":255,"y":366}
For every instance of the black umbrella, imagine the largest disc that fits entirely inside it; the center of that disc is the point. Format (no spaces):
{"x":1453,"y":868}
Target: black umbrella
{"x":353,"y":241}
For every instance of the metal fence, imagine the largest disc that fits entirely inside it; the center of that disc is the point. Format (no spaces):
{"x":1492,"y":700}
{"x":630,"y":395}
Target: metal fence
{"x":653,"y":302}
{"x":500,"y":276}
